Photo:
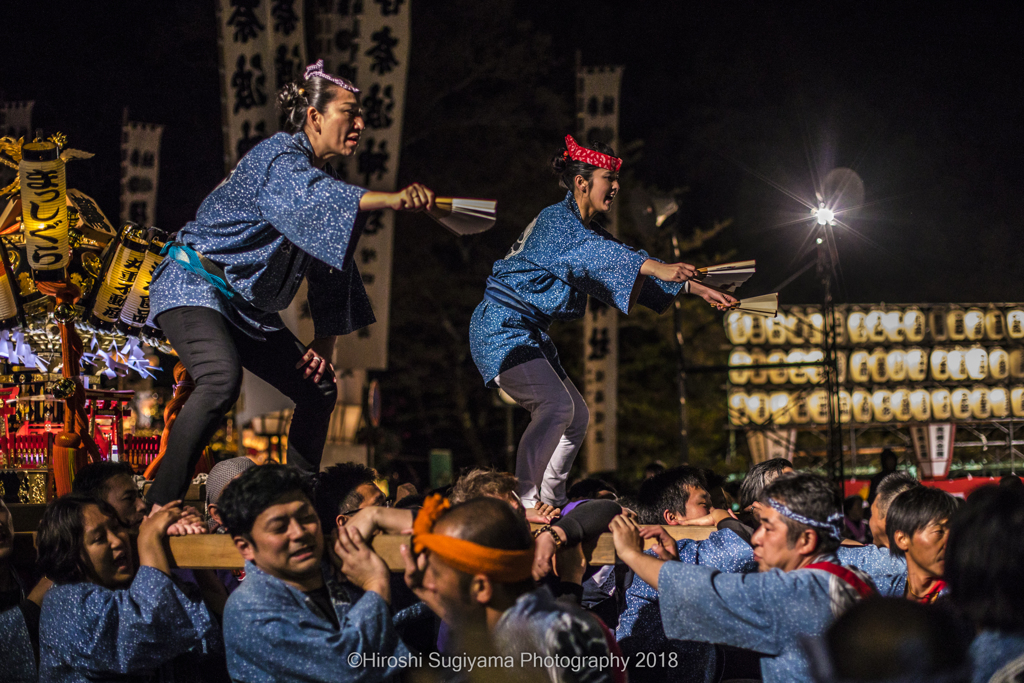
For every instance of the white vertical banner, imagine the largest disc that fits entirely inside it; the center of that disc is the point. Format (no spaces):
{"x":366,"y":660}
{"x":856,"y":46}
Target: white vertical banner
{"x":262,"y":47}
{"x":368,"y":42}
{"x":140,"y":171}
{"x":933,"y":446}
{"x":597,"y":111}
{"x":16,"y":119}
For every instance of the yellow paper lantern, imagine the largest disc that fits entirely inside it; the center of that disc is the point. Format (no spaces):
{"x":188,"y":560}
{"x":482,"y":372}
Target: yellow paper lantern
{"x":782,"y":411}
{"x":976,"y":360}
{"x":795,"y":326}
{"x":112,"y":293}
{"x":920,"y":405}
{"x":913,"y":325}
{"x":775,"y":330}
{"x":937,"y":324}
{"x":758,"y":357}
{"x":995,"y":327}
{"x":999,"y":400}
{"x":737,"y":327}
{"x":757,"y":331}
{"x":842,"y":366}
{"x":960,"y":400}
{"x":1017,"y":363}
{"x":881,"y":405}
{"x":940,"y":364}
{"x":956,"y":327}
{"x":738,"y":408}
{"x":44,"y":210}
{"x":877,"y":366}
{"x":781,"y":375}
{"x":798,"y":409}
{"x":136,"y":309}
{"x":917,"y":364}
{"x":942,"y":404}
{"x":956,"y":360}
{"x":840,"y":325}
{"x":856,"y":327}
{"x":815,"y":375}
{"x":758,"y":409}
{"x":815,"y":326}
{"x":845,"y":406}
{"x":738,"y":358}
{"x":1017,"y":401}
{"x":860,"y":364}
{"x":900,"y":402}
{"x":876,"y":327}
{"x":892,"y":321}
{"x":797,"y":375}
{"x":817,"y":406}
{"x":974,"y":324}
{"x":1015,"y":324}
{"x":981,"y":409}
{"x":862,"y":412}
{"x":896,"y":365}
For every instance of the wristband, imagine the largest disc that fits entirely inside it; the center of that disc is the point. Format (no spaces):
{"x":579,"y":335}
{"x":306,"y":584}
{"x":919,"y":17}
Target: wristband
{"x":686,"y":286}
{"x":559,"y":543}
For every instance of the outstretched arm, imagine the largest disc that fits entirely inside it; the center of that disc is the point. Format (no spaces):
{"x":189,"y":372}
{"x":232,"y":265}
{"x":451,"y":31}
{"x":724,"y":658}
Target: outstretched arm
{"x":416,"y":197}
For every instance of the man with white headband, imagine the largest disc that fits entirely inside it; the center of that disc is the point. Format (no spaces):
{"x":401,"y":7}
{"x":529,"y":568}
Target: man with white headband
{"x":800,"y":589}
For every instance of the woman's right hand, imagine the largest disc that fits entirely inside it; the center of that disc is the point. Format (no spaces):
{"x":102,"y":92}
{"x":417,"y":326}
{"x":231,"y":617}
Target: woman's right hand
{"x":668,"y":272}
{"x":416,"y":197}
{"x":153,"y":531}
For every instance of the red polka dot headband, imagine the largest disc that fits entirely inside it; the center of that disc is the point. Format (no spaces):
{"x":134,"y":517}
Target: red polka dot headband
{"x":588,"y":156}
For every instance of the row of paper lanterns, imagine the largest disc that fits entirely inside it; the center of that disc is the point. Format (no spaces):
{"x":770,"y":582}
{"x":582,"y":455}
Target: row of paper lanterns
{"x":915,"y":364}
{"x":904,"y":404}
{"x":796,"y":325}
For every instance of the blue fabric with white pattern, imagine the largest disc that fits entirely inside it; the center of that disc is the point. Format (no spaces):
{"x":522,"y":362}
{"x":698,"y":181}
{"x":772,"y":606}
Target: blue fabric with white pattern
{"x":874,"y":561}
{"x":17,"y":660}
{"x":992,"y":650}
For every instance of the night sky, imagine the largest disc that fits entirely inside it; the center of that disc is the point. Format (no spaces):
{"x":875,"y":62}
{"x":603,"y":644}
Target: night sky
{"x":729,"y":99}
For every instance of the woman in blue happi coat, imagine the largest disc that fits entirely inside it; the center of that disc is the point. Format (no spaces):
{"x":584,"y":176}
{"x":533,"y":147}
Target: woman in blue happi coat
{"x":281,"y":216}
{"x":559,"y":260}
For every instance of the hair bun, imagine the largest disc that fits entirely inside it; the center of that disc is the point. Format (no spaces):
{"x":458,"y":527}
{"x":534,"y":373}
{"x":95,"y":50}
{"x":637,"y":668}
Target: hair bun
{"x":560,"y":161}
{"x":292,"y":102}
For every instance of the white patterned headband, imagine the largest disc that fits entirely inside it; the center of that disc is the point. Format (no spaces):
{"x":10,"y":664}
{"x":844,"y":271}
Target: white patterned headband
{"x":317,"y":70}
{"x":832,"y":525}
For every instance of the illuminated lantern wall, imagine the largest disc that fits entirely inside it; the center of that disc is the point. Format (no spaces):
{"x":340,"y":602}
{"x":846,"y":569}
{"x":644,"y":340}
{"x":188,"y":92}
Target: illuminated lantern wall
{"x":44,"y":210}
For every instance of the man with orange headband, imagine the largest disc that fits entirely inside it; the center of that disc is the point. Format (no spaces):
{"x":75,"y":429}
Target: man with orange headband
{"x":472,"y":565}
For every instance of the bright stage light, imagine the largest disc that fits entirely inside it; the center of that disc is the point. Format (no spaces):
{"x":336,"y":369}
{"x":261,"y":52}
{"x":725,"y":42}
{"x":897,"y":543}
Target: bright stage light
{"x":824,"y":215}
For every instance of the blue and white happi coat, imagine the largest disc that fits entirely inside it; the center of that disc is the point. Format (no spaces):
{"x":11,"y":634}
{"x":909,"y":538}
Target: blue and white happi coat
{"x":878,"y":563}
{"x":17,"y":659}
{"x":276,"y":220}
{"x":553,"y":267}
{"x":766,"y":612}
{"x":640,"y":632}
{"x":995,"y":652}
{"x":90,"y":633}
{"x":275,"y":632}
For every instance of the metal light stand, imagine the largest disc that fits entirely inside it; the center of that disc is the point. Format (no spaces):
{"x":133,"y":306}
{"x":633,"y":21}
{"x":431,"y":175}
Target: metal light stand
{"x":827,"y":258}
{"x":677,"y":323}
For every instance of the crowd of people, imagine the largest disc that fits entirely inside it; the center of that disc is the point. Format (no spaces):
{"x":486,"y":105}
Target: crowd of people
{"x":774,"y":591}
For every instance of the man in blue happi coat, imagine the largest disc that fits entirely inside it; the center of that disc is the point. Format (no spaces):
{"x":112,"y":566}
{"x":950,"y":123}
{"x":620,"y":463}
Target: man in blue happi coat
{"x":876,"y":560}
{"x":800,"y":589}
{"x":677,"y":496}
{"x":290,"y":620}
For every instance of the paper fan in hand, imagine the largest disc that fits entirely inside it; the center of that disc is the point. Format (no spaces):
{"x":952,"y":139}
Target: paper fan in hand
{"x":467,"y":216}
{"x":726,"y":277}
{"x":766,"y":305}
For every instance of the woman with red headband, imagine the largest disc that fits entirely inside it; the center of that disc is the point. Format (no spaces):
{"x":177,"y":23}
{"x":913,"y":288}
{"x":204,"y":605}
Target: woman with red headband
{"x":559,"y":260}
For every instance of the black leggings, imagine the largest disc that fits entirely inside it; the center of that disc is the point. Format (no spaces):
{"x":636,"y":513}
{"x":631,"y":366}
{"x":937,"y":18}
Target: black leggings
{"x":214,"y":351}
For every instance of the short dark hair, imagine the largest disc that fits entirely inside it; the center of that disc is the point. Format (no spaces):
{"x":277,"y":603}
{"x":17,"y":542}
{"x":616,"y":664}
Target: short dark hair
{"x":92,"y":479}
{"x":589,"y":488}
{"x":60,"y":541}
{"x":808,"y":495}
{"x":985,"y":557}
{"x":893,"y":485}
{"x":567,"y":169}
{"x":850,"y":502}
{"x":245,"y":498}
{"x":668,"y":491}
{"x":1011,"y":481}
{"x":915,"y":509}
{"x":758,"y":477}
{"x":335,"y":491}
{"x":483,"y":482}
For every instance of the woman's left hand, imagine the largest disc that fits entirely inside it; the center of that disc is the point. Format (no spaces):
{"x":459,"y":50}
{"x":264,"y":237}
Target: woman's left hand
{"x":316,"y":365}
{"x":719,"y":300}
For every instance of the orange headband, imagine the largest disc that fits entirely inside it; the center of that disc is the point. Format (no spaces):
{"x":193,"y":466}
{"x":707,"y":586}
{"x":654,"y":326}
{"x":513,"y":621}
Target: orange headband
{"x":505,"y":566}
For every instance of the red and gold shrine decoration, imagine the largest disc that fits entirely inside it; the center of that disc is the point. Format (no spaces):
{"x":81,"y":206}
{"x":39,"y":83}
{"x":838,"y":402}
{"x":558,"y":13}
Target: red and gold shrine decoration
{"x":44,"y":210}
{"x":112,"y":294}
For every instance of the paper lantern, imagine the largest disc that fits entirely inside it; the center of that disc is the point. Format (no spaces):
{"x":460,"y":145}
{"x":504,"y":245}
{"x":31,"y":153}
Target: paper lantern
{"x":44,"y":210}
{"x":815,"y":375}
{"x":995,"y":328}
{"x":976,"y":360}
{"x":817,"y":406}
{"x":940,"y":364}
{"x":737,"y":327}
{"x":981,"y":409}
{"x":900,"y":402}
{"x":758,"y":409}
{"x":842,"y":364}
{"x":782,"y":411}
{"x":856,"y":327}
{"x":112,"y":294}
{"x":738,"y":408}
{"x":956,"y":361}
{"x":1015,"y":324}
{"x":845,"y":409}
{"x":739,"y":357}
{"x":861,"y":402}
{"x":913,"y":325}
{"x":974,"y":324}
{"x":860,"y":363}
{"x":896,"y":365}
{"x":999,"y":400}
{"x":892,"y":321}
{"x":136,"y":309}
{"x":1017,"y":401}
{"x":815,"y":326}
{"x":917,"y":364}
{"x":757,"y":331}
{"x":758,"y":357}
{"x":937,"y":324}
{"x":942,"y":405}
{"x":876,"y":327}
{"x":797,"y":375}
{"x":780,"y":376}
{"x":956,"y":327}
{"x":881,"y":405}
{"x":960,"y":401}
{"x":775,"y":330}
{"x":840,"y":324}
{"x":877,"y":366}
{"x":1017,"y":363}
{"x":798,"y":409}
{"x":920,"y":405}
{"x":795,"y":326}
